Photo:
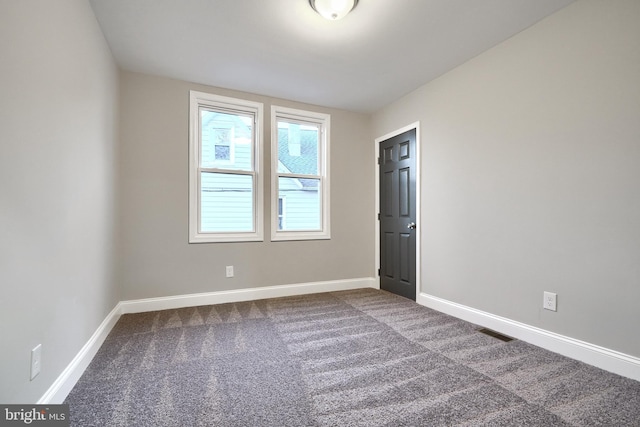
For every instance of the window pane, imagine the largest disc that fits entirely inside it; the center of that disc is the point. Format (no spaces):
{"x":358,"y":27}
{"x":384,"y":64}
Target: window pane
{"x":302,"y":208}
{"x":226,"y":203}
{"x":281,"y":209}
{"x":298,"y":148}
{"x":226,"y":140}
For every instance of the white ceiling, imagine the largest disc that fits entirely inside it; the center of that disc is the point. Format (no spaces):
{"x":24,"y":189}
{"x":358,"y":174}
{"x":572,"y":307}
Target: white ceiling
{"x":282,"y":48}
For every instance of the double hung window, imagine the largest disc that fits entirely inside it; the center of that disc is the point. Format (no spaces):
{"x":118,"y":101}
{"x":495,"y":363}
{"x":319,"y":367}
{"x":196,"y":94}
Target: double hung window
{"x":300,"y":180}
{"x":225,"y":180}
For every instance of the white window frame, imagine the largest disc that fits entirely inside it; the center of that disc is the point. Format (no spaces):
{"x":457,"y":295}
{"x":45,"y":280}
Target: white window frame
{"x":324,"y":123}
{"x":199,"y":100}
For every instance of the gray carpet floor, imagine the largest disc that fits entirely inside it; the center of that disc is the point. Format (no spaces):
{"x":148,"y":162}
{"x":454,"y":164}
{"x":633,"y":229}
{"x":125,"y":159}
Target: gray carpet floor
{"x":350,"y":358}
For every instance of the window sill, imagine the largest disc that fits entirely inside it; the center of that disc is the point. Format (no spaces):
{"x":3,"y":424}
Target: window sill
{"x":283,"y":236}
{"x":230,"y":238}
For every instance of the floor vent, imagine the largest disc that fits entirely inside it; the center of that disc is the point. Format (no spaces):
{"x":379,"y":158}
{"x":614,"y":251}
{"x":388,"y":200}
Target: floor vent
{"x":495,"y":334}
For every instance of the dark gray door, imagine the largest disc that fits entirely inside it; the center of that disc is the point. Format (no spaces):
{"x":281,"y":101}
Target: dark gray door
{"x":397,"y":165}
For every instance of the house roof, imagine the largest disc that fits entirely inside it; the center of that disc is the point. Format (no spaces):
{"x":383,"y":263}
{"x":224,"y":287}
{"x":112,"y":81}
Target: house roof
{"x":305,"y":163}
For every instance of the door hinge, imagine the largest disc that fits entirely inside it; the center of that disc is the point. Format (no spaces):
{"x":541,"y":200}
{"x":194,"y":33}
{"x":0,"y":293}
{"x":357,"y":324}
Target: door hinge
{"x":379,"y":161}
{"x":378,"y":272}
{"x":378,"y":217}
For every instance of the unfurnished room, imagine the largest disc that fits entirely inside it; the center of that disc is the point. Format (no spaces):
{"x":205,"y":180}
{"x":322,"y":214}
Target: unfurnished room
{"x":320,"y":213}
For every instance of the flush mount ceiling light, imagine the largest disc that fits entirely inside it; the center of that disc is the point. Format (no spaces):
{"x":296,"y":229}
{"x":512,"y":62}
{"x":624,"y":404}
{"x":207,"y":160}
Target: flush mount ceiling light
{"x":333,"y":9}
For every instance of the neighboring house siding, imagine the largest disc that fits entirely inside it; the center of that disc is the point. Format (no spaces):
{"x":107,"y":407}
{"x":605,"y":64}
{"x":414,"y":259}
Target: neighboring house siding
{"x":238,"y":141}
{"x":227,"y":202}
{"x":301,"y":209}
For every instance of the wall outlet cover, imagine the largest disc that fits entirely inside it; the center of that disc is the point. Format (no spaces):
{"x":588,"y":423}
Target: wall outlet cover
{"x":550,"y":301}
{"x":36,"y":360}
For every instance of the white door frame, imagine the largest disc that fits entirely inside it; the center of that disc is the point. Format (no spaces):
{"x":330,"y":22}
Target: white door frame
{"x":416,"y":126}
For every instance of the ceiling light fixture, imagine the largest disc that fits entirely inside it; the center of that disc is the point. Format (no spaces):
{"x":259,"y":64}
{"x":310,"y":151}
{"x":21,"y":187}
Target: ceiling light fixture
{"x":333,"y":9}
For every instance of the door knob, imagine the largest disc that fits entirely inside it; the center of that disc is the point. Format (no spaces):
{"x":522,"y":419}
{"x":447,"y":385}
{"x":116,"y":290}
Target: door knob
{"x":411,"y":226}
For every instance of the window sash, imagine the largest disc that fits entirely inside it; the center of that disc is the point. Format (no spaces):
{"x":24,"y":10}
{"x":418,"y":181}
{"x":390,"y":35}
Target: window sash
{"x":230,"y":163}
{"x":237,"y":215}
{"x":301,"y":216}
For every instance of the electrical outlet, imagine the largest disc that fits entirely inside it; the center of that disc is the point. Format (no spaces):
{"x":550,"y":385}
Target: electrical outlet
{"x":36,"y":356}
{"x":550,"y":301}
{"x":229,"y":270}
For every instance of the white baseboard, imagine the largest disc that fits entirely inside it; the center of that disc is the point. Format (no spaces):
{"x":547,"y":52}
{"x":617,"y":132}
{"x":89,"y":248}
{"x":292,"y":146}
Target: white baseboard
{"x":604,"y":358}
{"x":72,"y":373}
{"x":249,"y":294}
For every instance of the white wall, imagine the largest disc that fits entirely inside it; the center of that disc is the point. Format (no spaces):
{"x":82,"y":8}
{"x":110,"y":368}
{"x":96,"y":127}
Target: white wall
{"x":531,"y":175}
{"x":157,"y":259}
{"x":58,"y":100}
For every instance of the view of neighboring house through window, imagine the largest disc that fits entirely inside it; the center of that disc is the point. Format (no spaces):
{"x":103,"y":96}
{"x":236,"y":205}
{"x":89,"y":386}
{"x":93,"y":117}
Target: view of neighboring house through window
{"x":281,"y":209}
{"x":300,"y":182}
{"x":224,"y":177}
